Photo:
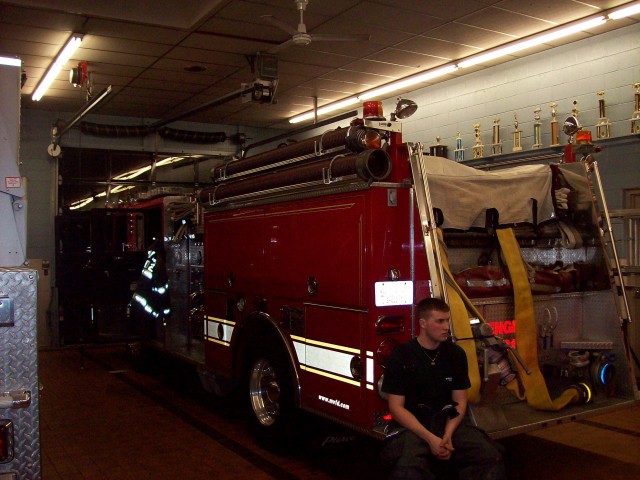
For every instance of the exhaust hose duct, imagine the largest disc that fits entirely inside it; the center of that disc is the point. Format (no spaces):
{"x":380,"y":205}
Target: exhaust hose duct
{"x":125,"y":131}
{"x":189,"y":136}
{"x":114,"y":131}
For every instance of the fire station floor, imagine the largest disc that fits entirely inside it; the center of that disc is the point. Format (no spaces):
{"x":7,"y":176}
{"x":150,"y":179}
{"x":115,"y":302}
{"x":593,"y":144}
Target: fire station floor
{"x":102,"y":417}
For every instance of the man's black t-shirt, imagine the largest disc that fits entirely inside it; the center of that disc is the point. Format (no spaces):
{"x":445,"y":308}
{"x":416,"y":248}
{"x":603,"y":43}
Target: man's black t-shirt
{"x":410,"y":373}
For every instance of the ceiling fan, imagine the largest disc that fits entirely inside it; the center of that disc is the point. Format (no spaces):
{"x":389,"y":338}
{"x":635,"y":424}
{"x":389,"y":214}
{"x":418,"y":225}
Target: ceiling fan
{"x":300,"y":36}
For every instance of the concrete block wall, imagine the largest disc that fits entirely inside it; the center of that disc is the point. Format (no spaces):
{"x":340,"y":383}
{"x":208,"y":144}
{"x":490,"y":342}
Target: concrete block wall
{"x":609,"y":62}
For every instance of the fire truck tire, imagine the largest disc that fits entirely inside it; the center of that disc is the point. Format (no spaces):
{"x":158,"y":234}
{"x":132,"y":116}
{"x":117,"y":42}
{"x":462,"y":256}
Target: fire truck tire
{"x":270,"y":389}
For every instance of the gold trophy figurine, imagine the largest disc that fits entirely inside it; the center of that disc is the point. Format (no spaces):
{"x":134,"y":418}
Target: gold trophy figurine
{"x":517,"y":135}
{"x":555,"y":134}
{"x":496,"y":146}
{"x":458,"y":153}
{"x":536,"y":129}
{"x":478,"y":148}
{"x":603,"y":128}
{"x":635,"y":120}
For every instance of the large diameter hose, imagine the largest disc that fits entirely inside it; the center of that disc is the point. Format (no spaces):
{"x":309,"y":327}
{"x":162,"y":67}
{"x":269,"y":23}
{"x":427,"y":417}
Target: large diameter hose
{"x":351,"y":138}
{"x":374,"y":165}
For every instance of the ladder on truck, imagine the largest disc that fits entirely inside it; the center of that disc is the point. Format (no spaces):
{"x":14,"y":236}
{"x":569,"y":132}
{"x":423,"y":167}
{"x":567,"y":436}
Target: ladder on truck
{"x":608,"y":240}
{"x":428,"y":223}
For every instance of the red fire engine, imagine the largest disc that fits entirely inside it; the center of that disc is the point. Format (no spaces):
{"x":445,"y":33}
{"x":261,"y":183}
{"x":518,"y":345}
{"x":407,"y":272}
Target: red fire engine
{"x":297,"y":273}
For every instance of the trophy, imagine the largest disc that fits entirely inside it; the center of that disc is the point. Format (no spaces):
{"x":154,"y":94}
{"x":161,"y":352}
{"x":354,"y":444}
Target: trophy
{"x":572,"y":125}
{"x":458,"y":153}
{"x":517,"y":135}
{"x":555,"y":136}
{"x":603,"y":128}
{"x":478,"y":148}
{"x":496,"y":146}
{"x":536,"y":129}
{"x":438,"y":150}
{"x":635,"y":120}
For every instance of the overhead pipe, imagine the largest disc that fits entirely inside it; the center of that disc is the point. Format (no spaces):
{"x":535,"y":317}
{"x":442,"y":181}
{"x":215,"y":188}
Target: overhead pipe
{"x":213,"y":103}
{"x":90,"y":105}
{"x":299,"y":130}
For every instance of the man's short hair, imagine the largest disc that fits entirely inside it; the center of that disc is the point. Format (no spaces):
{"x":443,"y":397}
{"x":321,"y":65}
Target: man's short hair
{"x":428,"y":305}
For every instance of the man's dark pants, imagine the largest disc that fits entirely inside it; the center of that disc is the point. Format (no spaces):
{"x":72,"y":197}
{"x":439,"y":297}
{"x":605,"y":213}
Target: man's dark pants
{"x":476,"y":456}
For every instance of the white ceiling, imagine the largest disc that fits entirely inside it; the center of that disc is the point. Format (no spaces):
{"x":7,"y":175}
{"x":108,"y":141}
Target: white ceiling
{"x":143,"y":47}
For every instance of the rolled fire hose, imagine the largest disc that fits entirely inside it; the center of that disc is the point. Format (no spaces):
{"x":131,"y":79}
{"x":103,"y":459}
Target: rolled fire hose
{"x":535,"y":388}
{"x":351,"y":138}
{"x":368,"y":165}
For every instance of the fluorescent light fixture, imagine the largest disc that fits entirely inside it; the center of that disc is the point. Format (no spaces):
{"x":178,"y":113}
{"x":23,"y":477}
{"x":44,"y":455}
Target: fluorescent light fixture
{"x":532,"y":42}
{"x":625,"y":12}
{"x":171,"y":160}
{"x":56,"y":66}
{"x":132,"y":174}
{"x":407,"y":82}
{"x":10,"y":61}
{"x":81,"y":203}
{"x":326,"y":109}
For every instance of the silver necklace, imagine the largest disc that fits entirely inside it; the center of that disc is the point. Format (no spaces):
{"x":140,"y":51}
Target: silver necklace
{"x":432,"y":360}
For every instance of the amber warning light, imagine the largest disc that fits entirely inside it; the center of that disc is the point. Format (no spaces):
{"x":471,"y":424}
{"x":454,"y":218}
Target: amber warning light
{"x":372,"y":110}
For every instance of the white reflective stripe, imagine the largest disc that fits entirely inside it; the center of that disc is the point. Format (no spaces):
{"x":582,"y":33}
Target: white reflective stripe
{"x":299,"y":346}
{"x":369,"y":369}
{"x":211,"y":330}
{"x":313,"y":357}
{"x":329,"y":360}
{"x":330,"y":375}
{"x":308,"y":341}
{"x":369,"y":386}
{"x":215,"y":340}
{"x":220,"y":320}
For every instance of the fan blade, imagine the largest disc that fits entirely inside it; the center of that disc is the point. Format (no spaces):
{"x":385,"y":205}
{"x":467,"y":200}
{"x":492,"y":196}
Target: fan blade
{"x":280,"y":24}
{"x":339,"y":38}
{"x":282,"y":46}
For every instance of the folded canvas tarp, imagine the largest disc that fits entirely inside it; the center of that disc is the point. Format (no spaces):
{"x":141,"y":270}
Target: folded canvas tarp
{"x":464,"y":194}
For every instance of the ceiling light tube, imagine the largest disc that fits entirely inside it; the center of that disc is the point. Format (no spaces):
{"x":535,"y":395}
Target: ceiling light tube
{"x":10,"y":61}
{"x":377,"y":92}
{"x":326,"y":109}
{"x":625,"y":12}
{"x":548,"y":37}
{"x":56,"y":66}
{"x":81,"y":203}
{"x":407,"y":82}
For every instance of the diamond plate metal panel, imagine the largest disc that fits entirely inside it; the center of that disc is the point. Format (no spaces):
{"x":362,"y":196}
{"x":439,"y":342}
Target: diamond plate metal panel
{"x":19,"y":370}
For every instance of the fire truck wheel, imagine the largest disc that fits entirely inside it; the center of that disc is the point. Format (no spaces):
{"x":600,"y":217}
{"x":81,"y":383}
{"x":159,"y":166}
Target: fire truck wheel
{"x":270,"y":391}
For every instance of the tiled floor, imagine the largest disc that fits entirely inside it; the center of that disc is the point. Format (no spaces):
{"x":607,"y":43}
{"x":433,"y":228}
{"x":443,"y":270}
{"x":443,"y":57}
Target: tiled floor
{"x":103,"y":419}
